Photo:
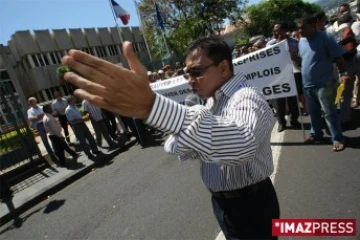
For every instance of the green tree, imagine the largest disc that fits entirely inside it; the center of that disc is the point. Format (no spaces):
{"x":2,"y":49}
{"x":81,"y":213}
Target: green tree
{"x":263,"y":15}
{"x":186,"y":20}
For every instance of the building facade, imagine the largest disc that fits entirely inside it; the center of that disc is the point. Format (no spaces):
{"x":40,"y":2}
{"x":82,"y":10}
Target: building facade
{"x":31,"y":59}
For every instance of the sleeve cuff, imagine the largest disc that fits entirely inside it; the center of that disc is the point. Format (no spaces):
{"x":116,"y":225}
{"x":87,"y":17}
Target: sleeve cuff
{"x":166,"y":115}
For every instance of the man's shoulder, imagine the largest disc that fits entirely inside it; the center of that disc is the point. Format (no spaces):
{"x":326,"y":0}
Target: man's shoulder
{"x":68,"y":108}
{"x":46,"y":118}
{"x":246,"y":91}
{"x":292,"y":40}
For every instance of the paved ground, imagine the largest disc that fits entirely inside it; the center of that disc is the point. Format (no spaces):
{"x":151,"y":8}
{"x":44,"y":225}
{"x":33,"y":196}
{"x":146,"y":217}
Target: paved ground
{"x":146,"y":194}
{"x":142,"y":194}
{"x":314,"y":182}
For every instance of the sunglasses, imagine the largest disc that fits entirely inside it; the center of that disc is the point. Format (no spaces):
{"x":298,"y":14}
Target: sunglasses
{"x":196,"y":71}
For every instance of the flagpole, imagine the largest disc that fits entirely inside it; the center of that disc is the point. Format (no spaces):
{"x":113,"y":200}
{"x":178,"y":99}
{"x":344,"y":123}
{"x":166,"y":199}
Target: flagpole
{"x":122,"y":41}
{"x":143,"y":32}
{"x":117,"y":25}
{"x":166,"y":46}
{"x":162,"y":33}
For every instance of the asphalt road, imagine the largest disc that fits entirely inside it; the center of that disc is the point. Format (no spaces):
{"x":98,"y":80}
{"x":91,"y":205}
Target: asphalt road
{"x":312,"y":181}
{"x":147,"y":194}
{"x":141,"y":194}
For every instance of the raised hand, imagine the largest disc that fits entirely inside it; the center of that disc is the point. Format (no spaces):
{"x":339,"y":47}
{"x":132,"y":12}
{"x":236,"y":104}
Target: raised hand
{"x":117,"y":89}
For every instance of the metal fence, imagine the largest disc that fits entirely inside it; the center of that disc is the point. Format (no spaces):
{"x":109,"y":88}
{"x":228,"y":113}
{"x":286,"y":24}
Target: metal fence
{"x":17,"y":142}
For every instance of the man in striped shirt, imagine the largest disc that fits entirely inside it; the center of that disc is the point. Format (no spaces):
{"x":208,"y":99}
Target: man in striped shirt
{"x":230,"y":135}
{"x":99,"y":124}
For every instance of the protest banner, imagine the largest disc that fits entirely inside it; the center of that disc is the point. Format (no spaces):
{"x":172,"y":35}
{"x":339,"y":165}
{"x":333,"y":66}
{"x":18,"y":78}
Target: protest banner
{"x":269,"y":69}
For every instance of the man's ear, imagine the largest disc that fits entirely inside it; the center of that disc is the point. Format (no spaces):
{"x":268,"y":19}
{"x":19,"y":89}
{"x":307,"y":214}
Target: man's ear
{"x":224,"y":66}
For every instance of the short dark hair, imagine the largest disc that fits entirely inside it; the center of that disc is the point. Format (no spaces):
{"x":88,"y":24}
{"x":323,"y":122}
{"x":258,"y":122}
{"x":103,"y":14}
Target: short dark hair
{"x":283,"y":26}
{"x":47,"y":108}
{"x":214,"y":47}
{"x":347,"y":18}
{"x":308,"y":19}
{"x":68,"y":98}
{"x":319,"y":15}
{"x":344,"y":5}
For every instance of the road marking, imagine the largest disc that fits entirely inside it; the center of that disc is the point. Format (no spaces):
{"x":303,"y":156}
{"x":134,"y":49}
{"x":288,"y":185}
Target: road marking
{"x":276,"y":151}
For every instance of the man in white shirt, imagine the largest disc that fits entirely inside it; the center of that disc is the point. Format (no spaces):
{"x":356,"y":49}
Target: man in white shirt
{"x":58,"y":106}
{"x":53,"y":128}
{"x":35,"y":115}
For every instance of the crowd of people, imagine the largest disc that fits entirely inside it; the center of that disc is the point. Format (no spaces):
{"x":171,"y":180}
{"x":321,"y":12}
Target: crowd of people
{"x":231,"y":133}
{"x":336,"y":43}
{"x":166,"y":72}
{"x":52,"y":122}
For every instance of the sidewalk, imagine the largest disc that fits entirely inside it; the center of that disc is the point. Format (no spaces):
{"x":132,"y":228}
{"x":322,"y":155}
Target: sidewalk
{"x":48,"y":181}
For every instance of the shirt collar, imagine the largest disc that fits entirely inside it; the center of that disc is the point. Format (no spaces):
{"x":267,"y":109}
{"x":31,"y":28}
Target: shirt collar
{"x":231,"y":86}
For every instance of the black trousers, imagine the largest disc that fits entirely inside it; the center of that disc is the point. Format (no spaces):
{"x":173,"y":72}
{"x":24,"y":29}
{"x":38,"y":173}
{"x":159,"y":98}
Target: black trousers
{"x":110,"y":122}
{"x":64,"y":124}
{"x":101,"y":130}
{"x":137,"y":128}
{"x":60,"y":146}
{"x":292,"y":103}
{"x":281,"y":109}
{"x":248,"y":215}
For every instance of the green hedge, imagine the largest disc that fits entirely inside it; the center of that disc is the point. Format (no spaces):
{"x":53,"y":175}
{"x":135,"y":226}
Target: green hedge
{"x":10,"y":140}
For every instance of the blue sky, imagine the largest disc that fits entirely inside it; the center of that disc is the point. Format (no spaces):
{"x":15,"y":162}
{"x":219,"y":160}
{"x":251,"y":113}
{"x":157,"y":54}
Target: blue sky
{"x":56,"y":14}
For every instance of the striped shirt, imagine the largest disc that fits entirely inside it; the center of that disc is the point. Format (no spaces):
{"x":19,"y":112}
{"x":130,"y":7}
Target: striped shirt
{"x":94,"y":111}
{"x":231,"y":134}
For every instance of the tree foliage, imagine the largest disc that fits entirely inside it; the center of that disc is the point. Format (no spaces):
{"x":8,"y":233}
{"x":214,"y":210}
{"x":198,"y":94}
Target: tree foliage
{"x":186,"y":20}
{"x":263,"y":15}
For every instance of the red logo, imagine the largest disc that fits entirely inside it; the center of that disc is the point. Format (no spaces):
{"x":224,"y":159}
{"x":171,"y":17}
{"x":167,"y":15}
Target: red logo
{"x":314,"y":227}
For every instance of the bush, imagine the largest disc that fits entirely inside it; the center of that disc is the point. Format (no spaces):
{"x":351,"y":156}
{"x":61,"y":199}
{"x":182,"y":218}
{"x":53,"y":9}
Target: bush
{"x":10,"y":140}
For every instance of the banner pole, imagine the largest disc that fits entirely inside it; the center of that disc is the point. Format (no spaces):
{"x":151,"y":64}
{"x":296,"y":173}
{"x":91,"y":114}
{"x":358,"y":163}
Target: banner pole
{"x":301,"y":117}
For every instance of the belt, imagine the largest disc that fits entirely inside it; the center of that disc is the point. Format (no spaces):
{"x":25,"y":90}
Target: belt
{"x":241,"y":192}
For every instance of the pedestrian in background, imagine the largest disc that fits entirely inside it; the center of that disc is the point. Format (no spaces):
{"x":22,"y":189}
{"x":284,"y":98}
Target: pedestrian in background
{"x":53,"y":128}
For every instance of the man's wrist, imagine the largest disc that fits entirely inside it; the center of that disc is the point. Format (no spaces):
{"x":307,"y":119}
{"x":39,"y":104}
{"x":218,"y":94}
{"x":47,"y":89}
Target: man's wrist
{"x":166,"y":115}
{"x":149,"y":107}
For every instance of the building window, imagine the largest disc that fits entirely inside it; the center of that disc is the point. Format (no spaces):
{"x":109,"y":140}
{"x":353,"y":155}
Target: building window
{"x":39,"y":96}
{"x":87,"y":50}
{"x":135,"y":46}
{"x":101,"y":52}
{"x":41,"y":60}
{"x":4,"y":75}
{"x":65,"y":90}
{"x":54,"y":58}
{"x":48,"y":94}
{"x":35,"y":60}
{"x":113,"y":50}
{"x":26,"y":63}
{"x":9,"y":86}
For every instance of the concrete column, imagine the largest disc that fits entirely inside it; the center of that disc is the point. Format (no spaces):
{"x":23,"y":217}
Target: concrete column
{"x":50,"y":59}
{"x":32,"y":64}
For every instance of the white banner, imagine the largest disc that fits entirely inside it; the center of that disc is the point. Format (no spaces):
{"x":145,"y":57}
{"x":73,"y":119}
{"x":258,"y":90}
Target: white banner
{"x":270,"y":69}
